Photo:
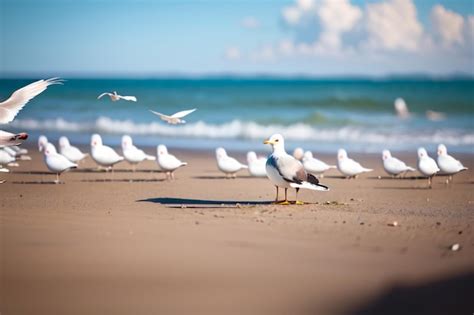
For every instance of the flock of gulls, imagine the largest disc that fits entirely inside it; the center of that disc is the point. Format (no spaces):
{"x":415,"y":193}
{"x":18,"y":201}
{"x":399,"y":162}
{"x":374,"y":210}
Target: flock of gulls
{"x":301,"y":170}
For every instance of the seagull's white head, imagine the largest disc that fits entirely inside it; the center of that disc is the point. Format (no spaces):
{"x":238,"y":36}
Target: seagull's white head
{"x":96,"y":140}
{"x":307,"y":155}
{"x":127,"y":142}
{"x":42,"y":140}
{"x":220,"y":153}
{"x":422,"y":153}
{"x":341,"y":154}
{"x":442,"y":150}
{"x":298,"y":153}
{"x":64,"y":142}
{"x":251,"y":156}
{"x":277,"y":142}
{"x":162,"y":150}
{"x":386,"y":154}
{"x":49,"y":149}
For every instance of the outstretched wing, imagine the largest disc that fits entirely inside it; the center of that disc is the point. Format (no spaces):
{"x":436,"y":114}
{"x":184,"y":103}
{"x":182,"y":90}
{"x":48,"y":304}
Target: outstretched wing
{"x":9,"y":139}
{"x":128,"y":98}
{"x":103,"y":94}
{"x":160,"y":114}
{"x":183,"y":113}
{"x":10,"y":108}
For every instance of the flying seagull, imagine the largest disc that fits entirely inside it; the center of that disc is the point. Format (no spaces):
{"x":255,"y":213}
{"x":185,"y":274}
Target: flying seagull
{"x":175,"y":118}
{"x":116,"y":97}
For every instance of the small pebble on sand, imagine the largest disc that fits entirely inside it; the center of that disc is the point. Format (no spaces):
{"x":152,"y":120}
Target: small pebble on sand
{"x":455,"y":247}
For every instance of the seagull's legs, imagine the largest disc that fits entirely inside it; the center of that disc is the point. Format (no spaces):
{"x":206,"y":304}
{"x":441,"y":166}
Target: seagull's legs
{"x":234,"y":175}
{"x":297,"y":202}
{"x":276,"y":199}
{"x":430,"y":180}
{"x":57,"y":179}
{"x":172,"y":175}
{"x":285,"y":202}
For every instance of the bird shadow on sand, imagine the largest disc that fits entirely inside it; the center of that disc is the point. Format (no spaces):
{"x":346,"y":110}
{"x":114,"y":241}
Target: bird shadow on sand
{"x":202,"y":203}
{"x":95,"y":170}
{"x":37,"y":183}
{"x":397,"y":178}
{"x":123,"y":180}
{"x":223,"y":177}
{"x":451,"y":295}
{"x":407,"y":188}
{"x":31,"y":172}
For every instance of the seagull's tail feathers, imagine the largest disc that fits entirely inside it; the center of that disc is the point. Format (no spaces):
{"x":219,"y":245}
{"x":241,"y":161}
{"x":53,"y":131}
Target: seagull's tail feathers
{"x":366,"y":170}
{"x":184,"y":163}
{"x":332,"y":166}
{"x":244,"y":166}
{"x":311,"y":183}
{"x":410,"y":169}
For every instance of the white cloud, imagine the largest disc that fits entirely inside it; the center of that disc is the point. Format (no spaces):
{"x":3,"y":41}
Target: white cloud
{"x":232,"y":53}
{"x":470,"y":29}
{"x":250,"y":22}
{"x":393,"y":25}
{"x":291,"y":15}
{"x":447,"y":25}
{"x":265,"y":53}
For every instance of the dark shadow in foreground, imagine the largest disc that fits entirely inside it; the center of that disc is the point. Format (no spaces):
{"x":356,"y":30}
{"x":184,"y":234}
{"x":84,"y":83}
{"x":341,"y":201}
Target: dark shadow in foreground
{"x":200,"y":203}
{"x":452,"y":295}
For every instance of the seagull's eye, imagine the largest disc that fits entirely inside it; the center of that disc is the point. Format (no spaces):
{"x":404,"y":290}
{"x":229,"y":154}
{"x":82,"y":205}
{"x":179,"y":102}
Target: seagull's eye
{"x":277,"y":140}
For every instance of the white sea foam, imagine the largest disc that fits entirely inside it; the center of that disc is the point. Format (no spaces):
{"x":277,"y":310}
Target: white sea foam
{"x":253,"y":131}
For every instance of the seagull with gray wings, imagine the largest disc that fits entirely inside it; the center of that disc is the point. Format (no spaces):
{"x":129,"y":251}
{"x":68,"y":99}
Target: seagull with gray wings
{"x":287,"y":172}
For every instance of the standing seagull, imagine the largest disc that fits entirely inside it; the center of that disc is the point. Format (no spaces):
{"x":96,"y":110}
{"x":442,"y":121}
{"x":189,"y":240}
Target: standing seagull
{"x":73,"y":154}
{"x":42,"y":141}
{"x":227,"y":164}
{"x":394,"y":166}
{"x":55,"y":162}
{"x":315,"y":166}
{"x":132,"y":154}
{"x":256,"y":165}
{"x":426,"y":165}
{"x":175,"y":118}
{"x":102,"y":154}
{"x":285,"y":171}
{"x":348,"y":167}
{"x":168,"y":162}
{"x":116,"y":97}
{"x":447,"y":164}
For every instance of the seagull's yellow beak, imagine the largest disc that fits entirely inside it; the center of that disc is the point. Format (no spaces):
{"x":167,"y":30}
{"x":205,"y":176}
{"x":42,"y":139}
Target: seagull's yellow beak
{"x":268,"y":142}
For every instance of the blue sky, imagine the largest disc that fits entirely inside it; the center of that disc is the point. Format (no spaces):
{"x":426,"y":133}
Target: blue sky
{"x":153,"y":38}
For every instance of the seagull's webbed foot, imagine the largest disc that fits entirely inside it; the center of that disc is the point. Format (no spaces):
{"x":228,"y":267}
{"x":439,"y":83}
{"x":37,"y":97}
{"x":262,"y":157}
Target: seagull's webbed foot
{"x":283,"y":203}
{"x":297,"y":202}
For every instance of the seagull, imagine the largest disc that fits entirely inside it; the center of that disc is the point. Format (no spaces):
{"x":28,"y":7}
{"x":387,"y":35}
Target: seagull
{"x":286,"y":171}
{"x":175,"y":118}
{"x":72,"y":153}
{"x":256,"y":165}
{"x":102,"y":154}
{"x":401,"y":108}
{"x":132,"y":154}
{"x":13,"y":154}
{"x":447,"y":164}
{"x":10,"y":107}
{"x":6,"y":158}
{"x":315,"y":166}
{"x":168,"y":162}
{"x":298,"y":153}
{"x":42,"y":141}
{"x":116,"y":97}
{"x":227,"y":164}
{"x":394,"y":166}
{"x":55,"y":162}
{"x":426,"y":165}
{"x":348,"y":167}
{"x":9,"y":139}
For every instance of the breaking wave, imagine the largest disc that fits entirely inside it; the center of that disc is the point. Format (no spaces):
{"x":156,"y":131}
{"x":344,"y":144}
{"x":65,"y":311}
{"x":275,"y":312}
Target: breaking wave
{"x":237,"y":129}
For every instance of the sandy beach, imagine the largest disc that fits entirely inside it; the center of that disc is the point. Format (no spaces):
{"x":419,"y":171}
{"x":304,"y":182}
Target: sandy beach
{"x":132,"y":243}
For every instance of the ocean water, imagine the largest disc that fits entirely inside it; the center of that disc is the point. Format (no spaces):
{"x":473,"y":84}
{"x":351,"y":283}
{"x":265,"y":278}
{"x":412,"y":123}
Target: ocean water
{"x":320,"y":115}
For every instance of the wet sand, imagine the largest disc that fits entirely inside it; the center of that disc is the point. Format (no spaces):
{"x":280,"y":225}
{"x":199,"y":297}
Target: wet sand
{"x":133,"y":243}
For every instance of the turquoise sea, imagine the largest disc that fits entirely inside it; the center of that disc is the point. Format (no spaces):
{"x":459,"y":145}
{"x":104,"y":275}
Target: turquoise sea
{"x":239,"y":113}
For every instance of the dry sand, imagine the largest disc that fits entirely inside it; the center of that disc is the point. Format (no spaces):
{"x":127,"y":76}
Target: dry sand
{"x":201,"y":244}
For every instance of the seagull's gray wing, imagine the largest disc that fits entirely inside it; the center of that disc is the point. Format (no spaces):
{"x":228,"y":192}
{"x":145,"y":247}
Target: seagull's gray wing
{"x":291,"y":169}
